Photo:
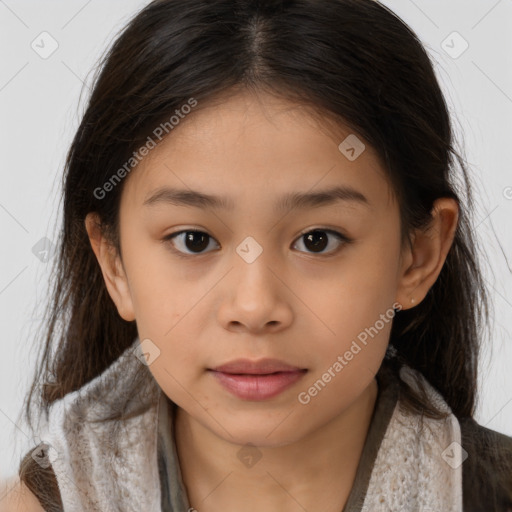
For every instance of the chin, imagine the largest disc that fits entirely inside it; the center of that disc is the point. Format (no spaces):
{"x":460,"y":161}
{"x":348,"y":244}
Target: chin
{"x":260,"y":432}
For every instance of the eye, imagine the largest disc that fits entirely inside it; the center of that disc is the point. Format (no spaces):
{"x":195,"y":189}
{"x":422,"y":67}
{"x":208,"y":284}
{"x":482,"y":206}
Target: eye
{"x":191,"y":240}
{"x":317,"y":240}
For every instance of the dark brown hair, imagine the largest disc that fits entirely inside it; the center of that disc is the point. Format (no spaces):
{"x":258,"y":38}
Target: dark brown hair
{"x":353,"y":61}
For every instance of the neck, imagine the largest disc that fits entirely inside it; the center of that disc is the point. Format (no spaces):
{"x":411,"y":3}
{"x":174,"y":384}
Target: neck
{"x":314,"y":473}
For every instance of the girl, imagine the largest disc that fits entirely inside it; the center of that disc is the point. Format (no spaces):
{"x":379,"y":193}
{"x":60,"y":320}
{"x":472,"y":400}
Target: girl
{"x":268,"y":282}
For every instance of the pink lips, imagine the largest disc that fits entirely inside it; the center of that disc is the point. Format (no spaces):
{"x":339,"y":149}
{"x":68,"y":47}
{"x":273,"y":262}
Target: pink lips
{"x":257,"y":380}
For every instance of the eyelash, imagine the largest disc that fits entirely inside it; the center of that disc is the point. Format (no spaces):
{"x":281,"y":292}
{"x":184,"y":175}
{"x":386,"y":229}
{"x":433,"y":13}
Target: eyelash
{"x":341,"y":238}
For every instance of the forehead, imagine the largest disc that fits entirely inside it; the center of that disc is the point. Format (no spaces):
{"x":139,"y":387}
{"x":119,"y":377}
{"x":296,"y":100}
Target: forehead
{"x":249,"y":147}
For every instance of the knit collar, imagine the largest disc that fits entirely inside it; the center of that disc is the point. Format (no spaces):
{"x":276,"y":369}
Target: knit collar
{"x":113,"y":465}
{"x":174,"y":495}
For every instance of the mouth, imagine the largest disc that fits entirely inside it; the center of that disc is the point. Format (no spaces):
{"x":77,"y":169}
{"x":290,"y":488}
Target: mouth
{"x":261,"y":367}
{"x":257,"y":380}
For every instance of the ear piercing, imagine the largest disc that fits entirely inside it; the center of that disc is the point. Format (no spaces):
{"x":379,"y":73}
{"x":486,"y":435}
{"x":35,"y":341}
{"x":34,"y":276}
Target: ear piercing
{"x":412,"y":301}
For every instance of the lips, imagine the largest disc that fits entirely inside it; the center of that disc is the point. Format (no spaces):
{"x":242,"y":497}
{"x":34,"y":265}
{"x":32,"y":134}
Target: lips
{"x":261,"y":367}
{"x":257,"y":380}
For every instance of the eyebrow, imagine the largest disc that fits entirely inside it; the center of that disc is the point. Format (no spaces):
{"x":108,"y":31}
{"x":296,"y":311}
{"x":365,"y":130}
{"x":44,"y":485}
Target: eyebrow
{"x":292,"y":200}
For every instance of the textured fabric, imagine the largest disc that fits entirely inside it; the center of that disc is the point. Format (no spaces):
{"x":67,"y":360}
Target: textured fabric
{"x":110,"y":466}
{"x":487,"y":471}
{"x":173,"y":491}
{"x":419,"y":464}
{"x":385,"y":404}
{"x":115,"y":465}
{"x":174,"y":495}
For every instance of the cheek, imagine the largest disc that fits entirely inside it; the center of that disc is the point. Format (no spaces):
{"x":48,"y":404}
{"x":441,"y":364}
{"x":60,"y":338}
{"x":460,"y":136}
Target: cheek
{"x":155,"y":286}
{"x":181,"y":357}
{"x":355,"y":304}
{"x":372,"y":277}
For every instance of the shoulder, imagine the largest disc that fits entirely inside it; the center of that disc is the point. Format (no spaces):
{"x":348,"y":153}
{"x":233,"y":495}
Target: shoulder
{"x":36,"y":488}
{"x":487,"y":470}
{"x":17,"y":497}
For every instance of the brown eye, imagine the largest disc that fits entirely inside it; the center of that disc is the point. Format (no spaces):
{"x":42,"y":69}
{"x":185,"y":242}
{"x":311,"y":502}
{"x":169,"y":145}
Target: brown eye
{"x":317,"y":240}
{"x":189,"y":242}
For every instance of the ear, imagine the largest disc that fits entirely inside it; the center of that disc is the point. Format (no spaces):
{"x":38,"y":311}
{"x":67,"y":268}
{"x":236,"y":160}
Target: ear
{"x":111,"y":268}
{"x":423,"y":260}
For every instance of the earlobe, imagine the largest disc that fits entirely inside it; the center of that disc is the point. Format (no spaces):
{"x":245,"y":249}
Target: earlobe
{"x":425,"y":258}
{"x":111,"y":267}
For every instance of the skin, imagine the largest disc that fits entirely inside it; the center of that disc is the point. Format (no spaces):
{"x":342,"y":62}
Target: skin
{"x":292,"y":303}
{"x":17,"y":497}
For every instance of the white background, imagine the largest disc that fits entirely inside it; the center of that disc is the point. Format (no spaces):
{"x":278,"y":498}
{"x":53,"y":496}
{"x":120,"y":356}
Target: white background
{"x":40,"y":111}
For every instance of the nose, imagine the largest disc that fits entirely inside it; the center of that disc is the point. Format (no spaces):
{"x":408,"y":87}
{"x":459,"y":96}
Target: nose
{"x":255,"y":298}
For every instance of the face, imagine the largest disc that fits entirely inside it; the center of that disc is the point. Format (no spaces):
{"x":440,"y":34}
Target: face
{"x":253,"y":276}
